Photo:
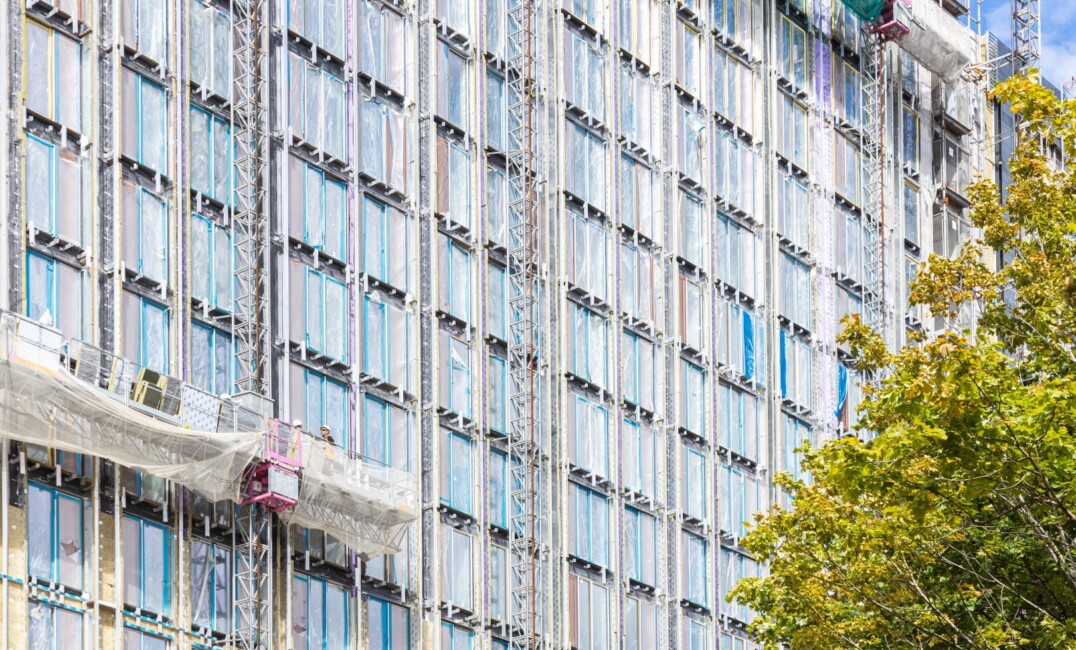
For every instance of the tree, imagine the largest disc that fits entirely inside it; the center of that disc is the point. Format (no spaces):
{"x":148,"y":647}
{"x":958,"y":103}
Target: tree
{"x":953,"y":525}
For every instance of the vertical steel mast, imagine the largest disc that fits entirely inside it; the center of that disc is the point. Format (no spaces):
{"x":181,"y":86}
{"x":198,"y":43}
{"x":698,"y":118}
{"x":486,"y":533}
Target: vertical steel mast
{"x":523,"y":263}
{"x":873,"y":161}
{"x":1026,"y":35}
{"x":250,"y":232}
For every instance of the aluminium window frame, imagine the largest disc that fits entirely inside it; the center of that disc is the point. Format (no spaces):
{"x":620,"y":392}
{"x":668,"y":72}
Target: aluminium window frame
{"x":215,"y":336}
{"x":213,"y":268}
{"x":214,"y":551}
{"x":389,"y":416}
{"x":210,"y":29}
{"x":155,"y":51}
{"x":693,"y":484}
{"x":140,"y":548}
{"x":583,"y":635}
{"x":591,"y":543}
{"x":455,"y":542}
{"x":323,"y":285}
{"x":161,"y":159}
{"x":62,"y":629}
{"x":388,"y":624}
{"x":56,"y":76}
{"x":457,"y":455}
{"x":310,"y":583}
{"x":55,"y":543}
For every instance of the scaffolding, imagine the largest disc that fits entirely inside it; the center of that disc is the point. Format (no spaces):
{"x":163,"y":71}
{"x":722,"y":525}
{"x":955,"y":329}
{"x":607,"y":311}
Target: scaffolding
{"x":74,"y":397}
{"x":524,"y":450}
{"x":875,"y":303}
{"x":1026,"y":35}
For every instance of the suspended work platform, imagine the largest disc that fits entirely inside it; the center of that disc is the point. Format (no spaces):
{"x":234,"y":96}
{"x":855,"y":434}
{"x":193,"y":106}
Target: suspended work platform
{"x":74,"y":397}
{"x":926,"y":30}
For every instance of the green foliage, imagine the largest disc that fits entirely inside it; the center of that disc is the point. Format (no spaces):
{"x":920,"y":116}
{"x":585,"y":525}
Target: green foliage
{"x":955,"y":526}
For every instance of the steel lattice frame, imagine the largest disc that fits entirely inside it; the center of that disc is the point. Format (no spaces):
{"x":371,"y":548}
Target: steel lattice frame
{"x":249,"y":326}
{"x":523,"y":261}
{"x":1026,"y":35}
{"x":252,"y":578}
{"x":875,"y":306}
{"x":249,"y":223}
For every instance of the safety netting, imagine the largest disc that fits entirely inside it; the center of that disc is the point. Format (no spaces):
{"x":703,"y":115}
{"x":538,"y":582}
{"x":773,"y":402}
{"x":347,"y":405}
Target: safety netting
{"x":43,"y":403}
{"x":362,"y":503}
{"x":868,"y":10}
{"x":76,"y":398}
{"x":935,"y":38}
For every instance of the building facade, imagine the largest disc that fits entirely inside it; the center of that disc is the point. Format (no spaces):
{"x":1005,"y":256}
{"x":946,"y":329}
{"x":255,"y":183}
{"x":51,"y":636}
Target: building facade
{"x":702,"y":199}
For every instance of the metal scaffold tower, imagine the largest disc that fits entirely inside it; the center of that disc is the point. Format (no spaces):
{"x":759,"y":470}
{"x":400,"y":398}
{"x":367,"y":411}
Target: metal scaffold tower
{"x":873,"y":154}
{"x":523,"y":264}
{"x":1026,"y":33}
{"x":249,"y":325}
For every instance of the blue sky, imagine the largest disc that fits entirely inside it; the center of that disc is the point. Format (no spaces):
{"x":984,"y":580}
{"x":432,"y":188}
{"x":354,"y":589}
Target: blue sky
{"x":1058,"y":34}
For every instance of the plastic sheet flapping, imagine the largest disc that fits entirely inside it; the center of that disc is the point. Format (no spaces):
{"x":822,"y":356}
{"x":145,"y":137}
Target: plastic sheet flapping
{"x":363,"y":504}
{"x":41,"y":403}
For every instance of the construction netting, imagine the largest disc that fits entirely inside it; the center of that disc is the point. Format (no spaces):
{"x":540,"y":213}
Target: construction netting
{"x":867,"y":10}
{"x":363,"y":504}
{"x":935,"y":38}
{"x":76,"y":398}
{"x":43,"y":403}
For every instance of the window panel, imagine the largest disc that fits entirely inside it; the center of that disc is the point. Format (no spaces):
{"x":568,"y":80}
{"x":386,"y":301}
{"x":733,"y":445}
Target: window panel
{"x":56,"y":294}
{"x":146,"y":565}
{"x":319,"y":614}
{"x":795,"y":210}
{"x":640,"y":624}
{"x":384,"y":45}
{"x":144,"y":24}
{"x":911,"y":213}
{"x":638,"y":458}
{"x":792,"y":131}
{"x":587,"y":267}
{"x":456,"y":568}
{"x":388,"y":625}
{"x":588,"y":445}
{"x":386,"y":330}
{"x":55,"y":536}
{"x":211,"y":282}
{"x":454,"y":183}
{"x":793,"y":53}
{"x":453,"y":96}
{"x":692,"y":144}
{"x":455,"y":375}
{"x":212,"y":364}
{"x":53,"y":627}
{"x":591,"y":12}
{"x":54,"y":75}
{"x":210,"y":54}
{"x":455,"y":279}
{"x":638,"y":29}
{"x":640,"y":546}
{"x":692,"y":233}
{"x":584,"y":74}
{"x":317,"y":106}
{"x":688,"y":58}
{"x":145,"y":123}
{"x":795,"y":291}
{"x":319,"y":210}
{"x":456,"y":471}
{"x":694,"y":577}
{"x":585,"y":165}
{"x":589,"y":345}
{"x":387,"y":246}
{"x":638,"y":106}
{"x":211,"y":577}
{"x":589,"y":532}
{"x":146,"y":335}
{"x":693,"y":485}
{"x":640,"y":198}
{"x":693,"y":400}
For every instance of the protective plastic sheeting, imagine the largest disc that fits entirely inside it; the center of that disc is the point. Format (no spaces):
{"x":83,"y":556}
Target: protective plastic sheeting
{"x":935,"y":38}
{"x":365,"y":505}
{"x":42,"y":403}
